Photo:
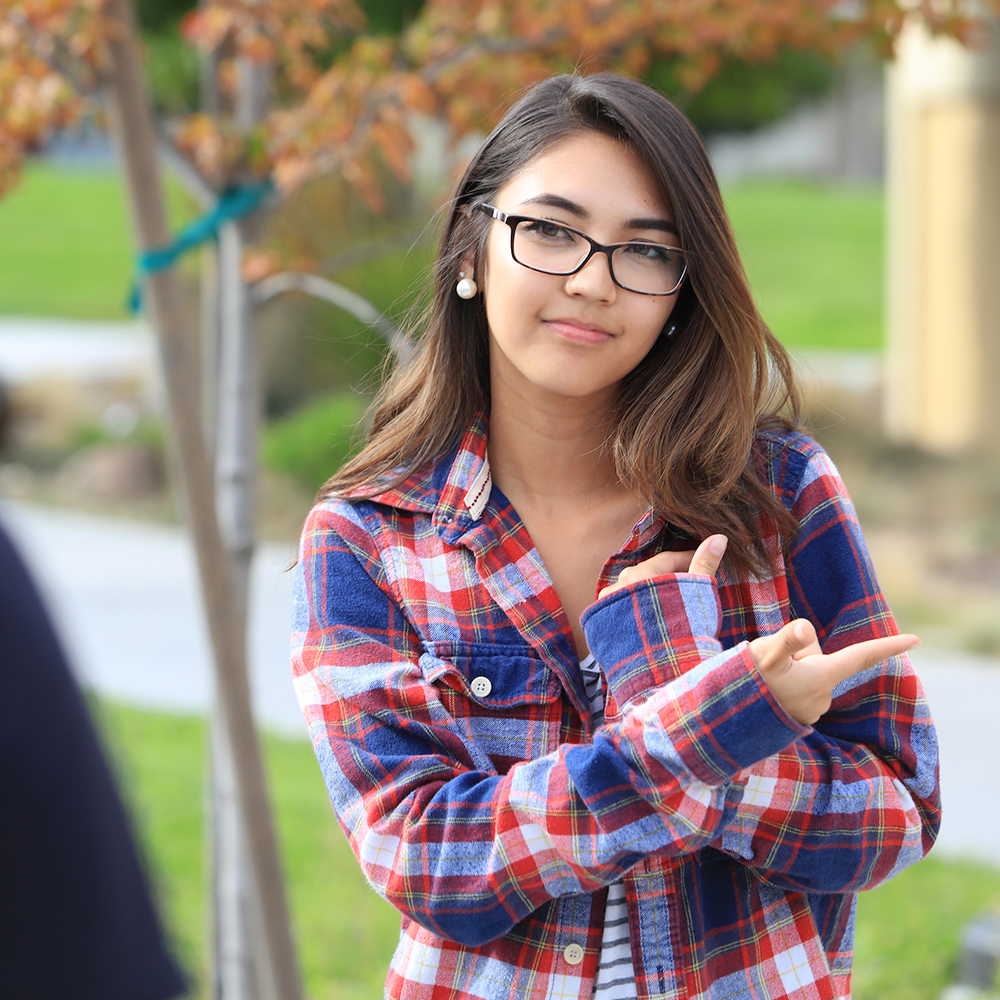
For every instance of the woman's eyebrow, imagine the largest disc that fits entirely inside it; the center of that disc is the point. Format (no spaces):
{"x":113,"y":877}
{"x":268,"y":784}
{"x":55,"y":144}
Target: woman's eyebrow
{"x":558,"y":201}
{"x":664,"y":225}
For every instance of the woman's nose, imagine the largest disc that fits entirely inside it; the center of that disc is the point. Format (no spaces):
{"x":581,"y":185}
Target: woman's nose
{"x":594,"y":278}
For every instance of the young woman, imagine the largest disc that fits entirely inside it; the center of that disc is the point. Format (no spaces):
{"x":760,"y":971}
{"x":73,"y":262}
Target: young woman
{"x":583,"y":746}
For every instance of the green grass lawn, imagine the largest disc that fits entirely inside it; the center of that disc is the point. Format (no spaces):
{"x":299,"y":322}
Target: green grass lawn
{"x":813,"y":253}
{"x":814,"y":258}
{"x":345,"y":933}
{"x":907,"y":933}
{"x":65,"y":246}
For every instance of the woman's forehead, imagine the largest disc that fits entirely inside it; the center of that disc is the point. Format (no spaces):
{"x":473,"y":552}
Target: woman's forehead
{"x":589,"y":175}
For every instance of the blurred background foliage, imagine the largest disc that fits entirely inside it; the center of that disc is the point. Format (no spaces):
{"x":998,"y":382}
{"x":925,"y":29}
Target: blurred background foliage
{"x":746,"y":96}
{"x":311,"y":442}
{"x":172,"y":66}
{"x":743,"y":96}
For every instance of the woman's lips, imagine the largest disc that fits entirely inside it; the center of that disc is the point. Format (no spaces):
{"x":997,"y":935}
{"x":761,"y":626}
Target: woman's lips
{"x":582,"y":333}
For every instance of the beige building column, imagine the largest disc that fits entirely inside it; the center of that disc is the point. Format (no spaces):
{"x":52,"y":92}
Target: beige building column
{"x":943,"y":275}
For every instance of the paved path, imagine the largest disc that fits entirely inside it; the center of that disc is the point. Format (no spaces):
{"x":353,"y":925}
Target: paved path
{"x":30,"y":346}
{"x":125,"y":596}
{"x":964,"y":695}
{"x":86,"y":349}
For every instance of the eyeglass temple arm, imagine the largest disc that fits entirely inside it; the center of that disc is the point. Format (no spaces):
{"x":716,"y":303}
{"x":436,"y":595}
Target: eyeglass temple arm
{"x":491,"y":211}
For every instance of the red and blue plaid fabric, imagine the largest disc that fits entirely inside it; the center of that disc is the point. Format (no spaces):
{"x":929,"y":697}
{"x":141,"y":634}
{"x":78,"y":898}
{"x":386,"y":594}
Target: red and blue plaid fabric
{"x":439,"y":680}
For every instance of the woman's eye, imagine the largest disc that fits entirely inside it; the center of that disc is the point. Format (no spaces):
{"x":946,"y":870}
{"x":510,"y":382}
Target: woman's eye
{"x":541,"y":229}
{"x":649,"y":253}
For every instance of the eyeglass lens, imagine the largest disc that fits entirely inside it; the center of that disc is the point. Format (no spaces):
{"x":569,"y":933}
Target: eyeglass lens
{"x":641,"y":267}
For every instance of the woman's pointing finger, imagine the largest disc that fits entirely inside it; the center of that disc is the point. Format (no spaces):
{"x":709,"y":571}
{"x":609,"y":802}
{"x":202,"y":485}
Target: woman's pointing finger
{"x":852,"y":659}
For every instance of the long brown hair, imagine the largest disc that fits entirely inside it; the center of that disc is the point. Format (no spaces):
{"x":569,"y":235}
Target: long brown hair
{"x":688,"y":412}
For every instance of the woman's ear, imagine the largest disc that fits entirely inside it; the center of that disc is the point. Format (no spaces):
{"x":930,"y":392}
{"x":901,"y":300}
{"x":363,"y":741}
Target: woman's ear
{"x":466,"y":287}
{"x":466,"y":234}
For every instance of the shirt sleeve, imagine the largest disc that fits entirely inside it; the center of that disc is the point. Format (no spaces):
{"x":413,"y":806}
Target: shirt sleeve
{"x":467,"y":852}
{"x":855,"y":800}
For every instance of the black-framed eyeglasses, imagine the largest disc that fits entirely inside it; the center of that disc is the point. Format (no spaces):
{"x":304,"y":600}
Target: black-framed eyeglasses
{"x":553,"y":248}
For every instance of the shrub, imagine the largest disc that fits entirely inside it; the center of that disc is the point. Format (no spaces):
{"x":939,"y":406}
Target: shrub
{"x":312,"y":442}
{"x":746,"y":96}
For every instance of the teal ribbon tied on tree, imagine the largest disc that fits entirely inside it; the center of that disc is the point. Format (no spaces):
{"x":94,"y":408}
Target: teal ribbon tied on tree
{"x":233,"y":204}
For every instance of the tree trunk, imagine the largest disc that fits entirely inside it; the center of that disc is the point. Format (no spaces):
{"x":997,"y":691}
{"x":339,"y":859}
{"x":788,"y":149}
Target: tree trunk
{"x":242,"y":968}
{"x":237,"y":905}
{"x":137,"y":139}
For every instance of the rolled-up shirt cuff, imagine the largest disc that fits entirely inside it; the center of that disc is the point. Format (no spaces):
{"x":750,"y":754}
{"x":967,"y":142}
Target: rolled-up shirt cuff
{"x":649,"y":633}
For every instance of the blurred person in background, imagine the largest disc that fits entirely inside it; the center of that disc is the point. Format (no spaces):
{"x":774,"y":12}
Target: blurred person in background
{"x":77,"y":918}
{"x":676,"y":789}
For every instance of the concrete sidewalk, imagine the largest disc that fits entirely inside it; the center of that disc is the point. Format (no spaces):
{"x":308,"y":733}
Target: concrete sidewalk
{"x":32,"y":346}
{"x":964,"y":695}
{"x":125,"y":596}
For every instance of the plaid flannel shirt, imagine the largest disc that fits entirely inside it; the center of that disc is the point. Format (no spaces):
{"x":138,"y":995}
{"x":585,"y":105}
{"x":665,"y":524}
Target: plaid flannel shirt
{"x":438,"y":677}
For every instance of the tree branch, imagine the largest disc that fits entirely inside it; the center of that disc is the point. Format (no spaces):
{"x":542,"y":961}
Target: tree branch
{"x":185,"y":171}
{"x":338,"y":295}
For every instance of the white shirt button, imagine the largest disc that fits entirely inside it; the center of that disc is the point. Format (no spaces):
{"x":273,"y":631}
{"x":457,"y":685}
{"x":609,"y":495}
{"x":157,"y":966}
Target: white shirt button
{"x":573,"y":954}
{"x":481,"y":687}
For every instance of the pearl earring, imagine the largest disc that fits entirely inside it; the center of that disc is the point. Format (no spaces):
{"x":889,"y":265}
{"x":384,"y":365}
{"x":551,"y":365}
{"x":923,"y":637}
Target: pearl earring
{"x":466,"y":287}
{"x":671,"y":330}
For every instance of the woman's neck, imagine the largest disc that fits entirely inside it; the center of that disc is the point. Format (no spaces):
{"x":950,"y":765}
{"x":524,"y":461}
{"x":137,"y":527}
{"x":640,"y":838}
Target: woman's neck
{"x":553,"y":452}
{"x":552,"y":462}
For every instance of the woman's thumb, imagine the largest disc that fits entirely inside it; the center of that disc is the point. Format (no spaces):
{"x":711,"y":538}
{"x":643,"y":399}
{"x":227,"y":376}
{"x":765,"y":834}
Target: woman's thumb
{"x":771,"y":650}
{"x":803,"y":632}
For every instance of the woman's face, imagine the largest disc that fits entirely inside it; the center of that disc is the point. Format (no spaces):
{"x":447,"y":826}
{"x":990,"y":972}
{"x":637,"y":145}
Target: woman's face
{"x":574,"y":336}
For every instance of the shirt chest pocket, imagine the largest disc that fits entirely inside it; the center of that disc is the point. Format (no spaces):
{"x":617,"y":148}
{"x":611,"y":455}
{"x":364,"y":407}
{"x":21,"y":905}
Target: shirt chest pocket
{"x":504,"y":700}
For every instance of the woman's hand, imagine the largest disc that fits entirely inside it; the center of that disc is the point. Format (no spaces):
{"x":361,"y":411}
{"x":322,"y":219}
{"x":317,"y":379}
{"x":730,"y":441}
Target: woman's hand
{"x":799,"y":674}
{"x":802,"y":678}
{"x":704,"y":559}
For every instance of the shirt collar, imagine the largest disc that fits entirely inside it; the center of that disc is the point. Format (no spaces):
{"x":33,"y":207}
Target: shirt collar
{"x":456,"y":488}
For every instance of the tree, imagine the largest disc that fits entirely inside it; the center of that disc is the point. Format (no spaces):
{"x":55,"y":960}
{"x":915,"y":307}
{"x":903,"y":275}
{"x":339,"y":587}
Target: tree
{"x":48,"y":56}
{"x":343,"y":95}
{"x":465,"y":61}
